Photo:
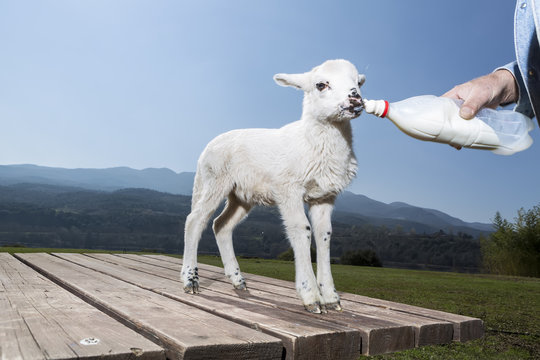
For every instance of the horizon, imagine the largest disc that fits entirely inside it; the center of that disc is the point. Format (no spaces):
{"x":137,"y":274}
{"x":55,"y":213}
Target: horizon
{"x":147,"y":85}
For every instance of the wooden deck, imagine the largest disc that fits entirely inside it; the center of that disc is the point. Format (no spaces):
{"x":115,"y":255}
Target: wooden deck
{"x":68,"y":306}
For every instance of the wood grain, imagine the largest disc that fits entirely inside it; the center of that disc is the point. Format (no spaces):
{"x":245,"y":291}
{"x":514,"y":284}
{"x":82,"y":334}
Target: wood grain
{"x":302,"y":334}
{"x":183,"y":331}
{"x":41,"y":320}
{"x":379,"y":335}
{"x":465,"y":328}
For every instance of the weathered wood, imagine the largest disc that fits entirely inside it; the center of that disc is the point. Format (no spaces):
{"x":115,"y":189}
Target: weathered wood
{"x":465,"y":328}
{"x":427,"y":331}
{"x":379,"y":333}
{"x":304,"y":336}
{"x":41,"y":320}
{"x":184,"y":331}
{"x":145,"y":293}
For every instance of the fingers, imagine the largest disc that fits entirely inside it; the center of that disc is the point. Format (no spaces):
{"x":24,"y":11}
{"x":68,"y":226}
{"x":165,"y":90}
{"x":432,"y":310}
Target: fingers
{"x":453,"y":93}
{"x":485,"y":91}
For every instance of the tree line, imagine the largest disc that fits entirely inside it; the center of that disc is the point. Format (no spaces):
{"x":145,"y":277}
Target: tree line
{"x":514,"y":247}
{"x":137,"y":219}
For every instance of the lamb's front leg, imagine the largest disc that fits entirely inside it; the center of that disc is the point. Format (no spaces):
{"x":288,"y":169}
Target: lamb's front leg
{"x":320,"y":215}
{"x":299,"y":234}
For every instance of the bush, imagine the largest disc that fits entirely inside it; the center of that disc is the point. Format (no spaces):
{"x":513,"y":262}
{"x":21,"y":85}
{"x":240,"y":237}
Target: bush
{"x":361,"y":258}
{"x":514,"y":248}
{"x":289,"y":255}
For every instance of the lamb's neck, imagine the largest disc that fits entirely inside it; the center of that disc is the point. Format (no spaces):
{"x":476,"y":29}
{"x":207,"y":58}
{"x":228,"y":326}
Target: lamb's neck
{"x":334,"y":131}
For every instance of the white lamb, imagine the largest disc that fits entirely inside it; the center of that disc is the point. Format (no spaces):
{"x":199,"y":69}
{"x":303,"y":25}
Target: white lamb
{"x":310,"y":160}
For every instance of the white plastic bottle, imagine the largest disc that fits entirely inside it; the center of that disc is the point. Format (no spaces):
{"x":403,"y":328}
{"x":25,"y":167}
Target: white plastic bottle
{"x":433,"y":118}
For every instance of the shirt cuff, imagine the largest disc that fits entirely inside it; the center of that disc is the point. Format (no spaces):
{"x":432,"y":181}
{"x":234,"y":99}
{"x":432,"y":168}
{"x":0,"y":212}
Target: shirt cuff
{"x":523,"y":104}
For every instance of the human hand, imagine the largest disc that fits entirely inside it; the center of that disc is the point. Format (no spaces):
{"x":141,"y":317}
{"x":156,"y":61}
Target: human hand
{"x":490,"y":90}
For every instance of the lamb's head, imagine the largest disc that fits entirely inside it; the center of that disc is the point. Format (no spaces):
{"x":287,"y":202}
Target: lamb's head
{"x":331,"y":90}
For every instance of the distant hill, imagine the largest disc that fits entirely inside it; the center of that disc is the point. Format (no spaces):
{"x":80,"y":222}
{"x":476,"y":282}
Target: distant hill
{"x":362,"y":205}
{"x":351,"y":208}
{"x":164,"y":180}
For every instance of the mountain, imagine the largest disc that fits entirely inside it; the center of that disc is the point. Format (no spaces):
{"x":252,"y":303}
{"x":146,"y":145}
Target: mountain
{"x":362,"y":205}
{"x":164,"y":180}
{"x":350,"y":208}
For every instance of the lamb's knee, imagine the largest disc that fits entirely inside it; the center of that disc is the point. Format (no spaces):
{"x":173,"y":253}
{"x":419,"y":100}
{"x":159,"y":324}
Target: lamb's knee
{"x":190,"y":222}
{"x":323,"y":239}
{"x":300,"y":232}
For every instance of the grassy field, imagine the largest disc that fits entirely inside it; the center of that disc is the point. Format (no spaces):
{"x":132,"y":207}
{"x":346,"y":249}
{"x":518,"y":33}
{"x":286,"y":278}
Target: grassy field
{"x":509,"y":306}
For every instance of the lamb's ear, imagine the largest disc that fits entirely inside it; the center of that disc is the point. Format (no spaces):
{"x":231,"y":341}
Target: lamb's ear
{"x":361,"y":79}
{"x":299,"y":81}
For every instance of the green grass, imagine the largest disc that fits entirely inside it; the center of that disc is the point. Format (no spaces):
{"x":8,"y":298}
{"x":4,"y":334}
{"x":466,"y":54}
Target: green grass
{"x":509,"y":306}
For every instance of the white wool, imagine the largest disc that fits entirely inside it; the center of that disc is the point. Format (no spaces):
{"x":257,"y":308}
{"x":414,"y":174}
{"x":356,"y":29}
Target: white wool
{"x":310,"y":160}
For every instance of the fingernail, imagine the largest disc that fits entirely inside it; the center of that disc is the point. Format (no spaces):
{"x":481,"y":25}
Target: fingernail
{"x":466,"y":112}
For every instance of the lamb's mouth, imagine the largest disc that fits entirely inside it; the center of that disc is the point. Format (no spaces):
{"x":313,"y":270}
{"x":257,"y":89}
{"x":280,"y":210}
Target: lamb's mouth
{"x":356,"y":107}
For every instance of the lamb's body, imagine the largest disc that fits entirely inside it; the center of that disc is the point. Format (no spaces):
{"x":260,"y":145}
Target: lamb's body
{"x":310,"y":160}
{"x":260,"y":166}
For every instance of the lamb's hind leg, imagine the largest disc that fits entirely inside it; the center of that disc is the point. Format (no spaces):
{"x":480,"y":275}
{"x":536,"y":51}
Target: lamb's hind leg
{"x":206,"y":202}
{"x":235,"y":211}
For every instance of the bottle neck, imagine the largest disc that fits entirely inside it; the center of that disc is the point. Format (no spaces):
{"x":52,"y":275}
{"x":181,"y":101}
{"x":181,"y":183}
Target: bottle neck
{"x":377,"y":107}
{"x":386,"y":107}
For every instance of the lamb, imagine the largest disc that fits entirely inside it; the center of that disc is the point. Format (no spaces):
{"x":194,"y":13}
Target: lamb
{"x":310,"y":160}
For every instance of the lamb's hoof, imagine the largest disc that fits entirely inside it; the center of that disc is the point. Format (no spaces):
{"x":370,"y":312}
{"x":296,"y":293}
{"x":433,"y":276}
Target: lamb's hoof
{"x":241,"y":286}
{"x":314,"y":308}
{"x":334,"y":306}
{"x":192,"y":287}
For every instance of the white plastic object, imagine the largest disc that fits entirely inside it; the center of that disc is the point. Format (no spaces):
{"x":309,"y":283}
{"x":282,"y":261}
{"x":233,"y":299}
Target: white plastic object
{"x":437,"y":119}
{"x":89,"y":341}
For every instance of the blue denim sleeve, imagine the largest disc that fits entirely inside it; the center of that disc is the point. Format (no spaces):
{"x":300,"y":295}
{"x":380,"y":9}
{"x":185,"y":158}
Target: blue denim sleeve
{"x":523,"y":104}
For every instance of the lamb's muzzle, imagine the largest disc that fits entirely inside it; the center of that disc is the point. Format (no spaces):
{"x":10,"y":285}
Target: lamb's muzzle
{"x":357,"y":104}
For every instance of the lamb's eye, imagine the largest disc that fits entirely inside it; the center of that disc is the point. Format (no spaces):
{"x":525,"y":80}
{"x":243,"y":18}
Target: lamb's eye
{"x":321,"y":86}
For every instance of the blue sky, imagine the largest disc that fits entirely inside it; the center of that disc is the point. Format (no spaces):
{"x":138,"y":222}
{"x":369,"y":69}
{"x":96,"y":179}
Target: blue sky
{"x":148,"y":83}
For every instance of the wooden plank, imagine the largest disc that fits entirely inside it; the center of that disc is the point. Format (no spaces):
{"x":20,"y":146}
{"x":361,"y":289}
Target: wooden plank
{"x":378,"y":334}
{"x":427,"y":331}
{"x":183,"y":331}
{"x":465,"y":328}
{"x":41,"y":320}
{"x":303,"y":336}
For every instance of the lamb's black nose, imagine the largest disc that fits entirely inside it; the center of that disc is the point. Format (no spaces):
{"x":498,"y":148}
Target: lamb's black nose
{"x":354,"y":94}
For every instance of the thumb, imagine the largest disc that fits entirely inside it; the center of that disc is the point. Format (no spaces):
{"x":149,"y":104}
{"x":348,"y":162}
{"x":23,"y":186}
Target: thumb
{"x":474,"y":101}
{"x":468,"y":111}
{"x":471,"y":106}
